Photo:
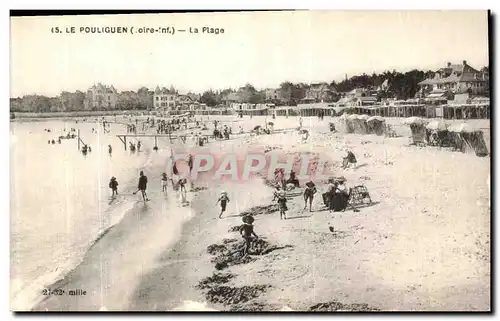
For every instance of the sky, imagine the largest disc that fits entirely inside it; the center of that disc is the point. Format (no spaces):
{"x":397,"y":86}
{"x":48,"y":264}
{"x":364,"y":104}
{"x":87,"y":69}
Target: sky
{"x":261,"y":48}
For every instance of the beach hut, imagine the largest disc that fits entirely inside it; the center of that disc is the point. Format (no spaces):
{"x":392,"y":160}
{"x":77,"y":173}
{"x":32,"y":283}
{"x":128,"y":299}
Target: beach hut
{"x":418,"y":131}
{"x":361,"y":125}
{"x":376,"y":125}
{"x":344,"y":125}
{"x":468,"y":140}
{"x":437,"y":133}
{"x":351,"y":123}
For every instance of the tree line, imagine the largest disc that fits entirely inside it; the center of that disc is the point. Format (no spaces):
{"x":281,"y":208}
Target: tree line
{"x":400,"y":86}
{"x":80,"y":101}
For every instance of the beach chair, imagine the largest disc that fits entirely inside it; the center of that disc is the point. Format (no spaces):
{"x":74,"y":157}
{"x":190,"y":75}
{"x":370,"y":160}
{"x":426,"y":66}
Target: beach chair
{"x":359,"y":195}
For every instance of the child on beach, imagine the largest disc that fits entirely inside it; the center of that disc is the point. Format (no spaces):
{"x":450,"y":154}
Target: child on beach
{"x":182,"y":185}
{"x":349,"y":159}
{"x":247,"y":233}
{"x":281,"y":198}
{"x":223,"y":199}
{"x":164,"y":182}
{"x":113,"y":184}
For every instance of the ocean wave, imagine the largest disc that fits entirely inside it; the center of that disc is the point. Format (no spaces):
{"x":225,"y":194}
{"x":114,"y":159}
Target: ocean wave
{"x":29,"y":294}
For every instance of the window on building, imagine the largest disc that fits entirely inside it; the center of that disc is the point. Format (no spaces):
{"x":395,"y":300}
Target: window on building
{"x":157,"y":98}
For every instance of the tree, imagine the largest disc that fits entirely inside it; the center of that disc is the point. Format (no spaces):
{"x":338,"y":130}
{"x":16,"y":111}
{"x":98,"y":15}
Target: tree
{"x":247,"y":92}
{"x":258,"y":97}
{"x":127,"y":100}
{"x":209,"y":98}
{"x":286,"y":89}
{"x":144,"y":98}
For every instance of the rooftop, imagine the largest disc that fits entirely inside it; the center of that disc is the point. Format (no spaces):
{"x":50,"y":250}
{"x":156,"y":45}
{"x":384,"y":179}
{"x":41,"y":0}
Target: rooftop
{"x":164,"y":91}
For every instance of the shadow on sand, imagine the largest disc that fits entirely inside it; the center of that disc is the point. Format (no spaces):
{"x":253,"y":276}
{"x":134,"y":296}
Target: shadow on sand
{"x":295,"y":217}
{"x":350,"y":209}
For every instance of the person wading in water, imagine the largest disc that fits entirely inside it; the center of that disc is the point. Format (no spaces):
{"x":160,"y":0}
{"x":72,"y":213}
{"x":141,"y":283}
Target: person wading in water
{"x":113,"y":184}
{"x":143,"y":182}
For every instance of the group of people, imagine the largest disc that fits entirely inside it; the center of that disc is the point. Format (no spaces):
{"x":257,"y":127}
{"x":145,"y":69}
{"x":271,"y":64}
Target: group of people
{"x":141,"y":186}
{"x":222,"y":134}
{"x":133,"y":148}
{"x":321,"y":114}
{"x":285,"y":184}
{"x":131,"y":128}
{"x":169,"y":126}
{"x":336,"y":198}
{"x":179,"y":184}
{"x":86,"y":149}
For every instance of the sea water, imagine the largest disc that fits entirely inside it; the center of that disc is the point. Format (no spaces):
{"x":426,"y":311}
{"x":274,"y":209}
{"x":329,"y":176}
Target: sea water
{"x":60,"y":199}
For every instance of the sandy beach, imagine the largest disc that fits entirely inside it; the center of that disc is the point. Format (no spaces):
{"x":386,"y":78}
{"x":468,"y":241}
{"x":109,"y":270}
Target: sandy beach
{"x":422,"y":245}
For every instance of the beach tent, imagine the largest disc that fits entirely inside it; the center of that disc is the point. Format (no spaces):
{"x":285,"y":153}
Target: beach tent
{"x":413,"y":120}
{"x":361,"y":126}
{"x":439,"y":125}
{"x":437,"y":133}
{"x":376,"y":125}
{"x":358,"y":123}
{"x":351,"y":123}
{"x":468,"y":140}
{"x":344,"y":124}
{"x":418,"y":131}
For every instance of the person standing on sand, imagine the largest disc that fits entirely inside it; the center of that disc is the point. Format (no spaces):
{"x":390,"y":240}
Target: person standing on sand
{"x":247,"y":233}
{"x":300,"y":122}
{"x":309,"y":194}
{"x":332,"y":188}
{"x":223,"y":199}
{"x":110,"y":150}
{"x":143,"y":182}
{"x":281,"y":198}
{"x":182,"y":185}
{"x":164,"y":180}
{"x":113,"y":184}
{"x":190,"y":162}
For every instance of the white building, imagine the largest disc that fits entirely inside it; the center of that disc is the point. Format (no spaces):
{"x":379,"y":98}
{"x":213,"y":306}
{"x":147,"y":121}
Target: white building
{"x":101,"y":97}
{"x":164,"y":98}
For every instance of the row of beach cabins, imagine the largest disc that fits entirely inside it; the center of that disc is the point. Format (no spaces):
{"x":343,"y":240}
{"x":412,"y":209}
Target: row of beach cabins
{"x":475,"y":109}
{"x":461,"y":137}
